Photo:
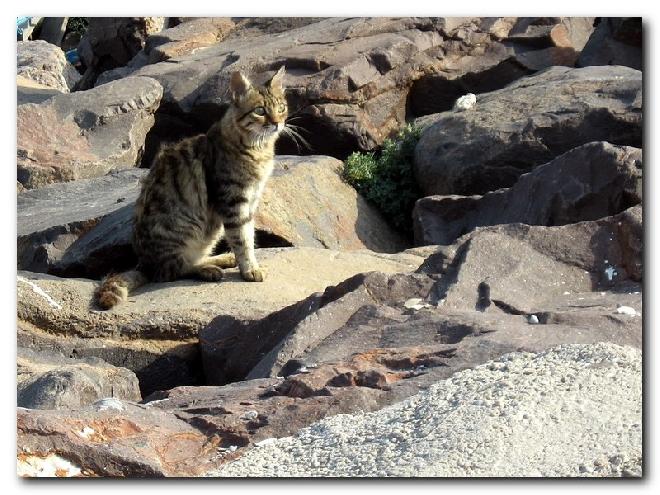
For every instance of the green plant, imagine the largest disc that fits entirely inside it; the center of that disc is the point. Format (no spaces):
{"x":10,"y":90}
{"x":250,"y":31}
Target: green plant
{"x":77,"y":25}
{"x":386,"y":178}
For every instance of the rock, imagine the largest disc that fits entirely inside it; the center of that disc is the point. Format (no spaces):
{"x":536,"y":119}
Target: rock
{"x":155,"y":332}
{"x":188,"y":37}
{"x":45,"y":64}
{"x":123,"y":440}
{"x":589,"y":182}
{"x":520,"y":127}
{"x":305,"y":203}
{"x":29,"y":91}
{"x":538,"y":408}
{"x":616,"y":41}
{"x":88,"y":133}
{"x":53,"y":217}
{"x":349,"y":79}
{"x":111,"y":42}
{"x":53,"y":29}
{"x":529,"y":271}
{"x":546,"y":32}
{"x":52,"y":381}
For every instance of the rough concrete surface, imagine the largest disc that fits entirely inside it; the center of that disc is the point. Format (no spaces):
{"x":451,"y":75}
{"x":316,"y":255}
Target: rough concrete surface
{"x":574,"y":410}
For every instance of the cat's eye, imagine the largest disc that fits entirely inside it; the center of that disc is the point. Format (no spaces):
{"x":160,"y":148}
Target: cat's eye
{"x":261,"y":111}
{"x":281,"y":108}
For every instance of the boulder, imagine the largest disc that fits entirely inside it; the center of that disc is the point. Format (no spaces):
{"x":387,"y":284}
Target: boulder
{"x":543,"y":32}
{"x":88,"y":234}
{"x":47,"y":380}
{"x":350,"y":80}
{"x":526,"y":124}
{"x":87,"y":133}
{"x":589,"y":182}
{"x":51,"y":218}
{"x":45,"y":64}
{"x":29,"y":91}
{"x":111,"y":42}
{"x":155,"y":332}
{"x":538,"y":271}
{"x":616,"y":41}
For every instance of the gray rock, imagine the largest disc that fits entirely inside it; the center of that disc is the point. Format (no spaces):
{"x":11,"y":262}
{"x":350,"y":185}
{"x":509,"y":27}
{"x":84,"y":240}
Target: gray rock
{"x":46,"y":64}
{"x":526,"y":124}
{"x":29,"y":91}
{"x":50,"y":219}
{"x":616,"y":41}
{"x":589,"y":182}
{"x":87,"y":133}
{"x":47,"y":380}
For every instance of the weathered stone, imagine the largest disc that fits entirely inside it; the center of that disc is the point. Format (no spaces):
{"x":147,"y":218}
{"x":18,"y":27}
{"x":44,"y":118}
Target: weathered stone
{"x":29,"y":91}
{"x":45,"y":64}
{"x":53,"y":29}
{"x":111,"y":42}
{"x":543,"y":32}
{"x":176,"y":310}
{"x":589,"y":182}
{"x":51,"y":218}
{"x":85,"y":134}
{"x":305,"y":203}
{"x":113,"y":438}
{"x":528,"y":270}
{"x":616,"y":41}
{"x":50,"y":381}
{"x":186,"y":38}
{"x":526,"y":124}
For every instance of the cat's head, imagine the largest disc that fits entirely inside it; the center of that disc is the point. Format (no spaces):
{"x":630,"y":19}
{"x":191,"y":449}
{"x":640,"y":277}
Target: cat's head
{"x":259,"y":111}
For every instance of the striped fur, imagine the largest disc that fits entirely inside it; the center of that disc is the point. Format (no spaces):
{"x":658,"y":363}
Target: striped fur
{"x":202,"y":189}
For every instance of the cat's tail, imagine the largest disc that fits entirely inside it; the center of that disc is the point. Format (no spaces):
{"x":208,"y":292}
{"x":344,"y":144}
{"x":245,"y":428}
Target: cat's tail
{"x":115,"y":287}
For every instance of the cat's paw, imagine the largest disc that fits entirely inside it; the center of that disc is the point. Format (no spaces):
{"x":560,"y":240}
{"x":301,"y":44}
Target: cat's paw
{"x":210,"y":273}
{"x":254,"y":275}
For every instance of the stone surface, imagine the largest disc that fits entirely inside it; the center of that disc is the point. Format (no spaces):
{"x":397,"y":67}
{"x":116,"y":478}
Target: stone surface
{"x":589,"y":182}
{"x":574,"y":410}
{"x":616,"y":41}
{"x":45,"y":64}
{"x":111,"y":42}
{"x":305,"y":203}
{"x":530,"y":271}
{"x":29,"y":91}
{"x":47,"y":380}
{"x":349,"y":80}
{"x":526,"y":124}
{"x":85,"y":134}
{"x":51,"y":218}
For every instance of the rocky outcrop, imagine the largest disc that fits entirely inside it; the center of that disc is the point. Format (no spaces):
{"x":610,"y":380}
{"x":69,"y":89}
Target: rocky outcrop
{"x":85,"y":134}
{"x":589,"y":182}
{"x":88,"y":226}
{"x":111,"y":42}
{"x":29,"y":91}
{"x":530,"y":271}
{"x":47,"y":380}
{"x":349,"y":80}
{"x":53,"y":217}
{"x":154,"y":332}
{"x":616,"y":41}
{"x":530,"y":122}
{"x":45,"y":64}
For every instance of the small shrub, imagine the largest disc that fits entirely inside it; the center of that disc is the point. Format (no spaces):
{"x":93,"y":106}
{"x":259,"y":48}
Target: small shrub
{"x":386,"y":179}
{"x":77,"y":25}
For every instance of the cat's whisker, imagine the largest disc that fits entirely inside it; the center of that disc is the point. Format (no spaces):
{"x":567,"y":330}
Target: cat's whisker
{"x":295,"y":135}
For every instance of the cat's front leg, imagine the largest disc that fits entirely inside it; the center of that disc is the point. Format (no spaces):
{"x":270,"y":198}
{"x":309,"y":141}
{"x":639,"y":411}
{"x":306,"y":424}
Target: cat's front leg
{"x":241,"y":241}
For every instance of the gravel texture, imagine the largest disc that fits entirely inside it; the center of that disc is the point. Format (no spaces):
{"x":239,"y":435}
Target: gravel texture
{"x":574,"y":410}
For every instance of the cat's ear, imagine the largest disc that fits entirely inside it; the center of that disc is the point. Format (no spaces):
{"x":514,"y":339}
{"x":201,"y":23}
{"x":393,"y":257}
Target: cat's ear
{"x":239,"y":85}
{"x":276,"y":81}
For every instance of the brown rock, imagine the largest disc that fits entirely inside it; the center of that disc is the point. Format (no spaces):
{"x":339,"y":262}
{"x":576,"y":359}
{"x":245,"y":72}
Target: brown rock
{"x":45,"y":64}
{"x":526,"y":124}
{"x":589,"y":182}
{"x":85,"y":134}
{"x":616,"y":41}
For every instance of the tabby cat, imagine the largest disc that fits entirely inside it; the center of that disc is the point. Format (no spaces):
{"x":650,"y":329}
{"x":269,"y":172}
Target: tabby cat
{"x":203,"y":188}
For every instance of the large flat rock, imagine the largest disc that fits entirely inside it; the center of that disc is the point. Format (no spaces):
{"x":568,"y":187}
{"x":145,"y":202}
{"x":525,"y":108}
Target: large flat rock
{"x":51,"y":218}
{"x":86,"y":133}
{"x":528,"y":123}
{"x":592,"y":181}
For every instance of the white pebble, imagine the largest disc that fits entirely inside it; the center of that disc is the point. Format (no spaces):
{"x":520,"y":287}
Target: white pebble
{"x":466,"y":102}
{"x":533,"y":319}
{"x":626,"y":310}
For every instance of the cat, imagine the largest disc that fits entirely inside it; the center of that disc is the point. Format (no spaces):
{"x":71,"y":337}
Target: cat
{"x":203,"y":188}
